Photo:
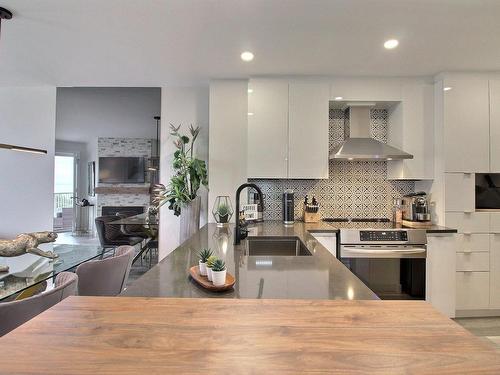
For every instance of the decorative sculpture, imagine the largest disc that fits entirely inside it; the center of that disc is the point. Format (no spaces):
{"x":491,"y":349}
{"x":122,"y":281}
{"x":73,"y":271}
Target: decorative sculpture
{"x":27,"y":243}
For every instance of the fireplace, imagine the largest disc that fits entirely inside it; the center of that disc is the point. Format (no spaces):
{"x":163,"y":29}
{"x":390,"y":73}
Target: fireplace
{"x":113,"y":210}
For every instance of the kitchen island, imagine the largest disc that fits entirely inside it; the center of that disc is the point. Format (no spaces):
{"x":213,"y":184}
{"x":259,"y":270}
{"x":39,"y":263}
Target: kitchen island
{"x":317,"y":276}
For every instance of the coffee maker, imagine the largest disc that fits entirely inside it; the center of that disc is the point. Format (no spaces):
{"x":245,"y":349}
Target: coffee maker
{"x":416,"y":207}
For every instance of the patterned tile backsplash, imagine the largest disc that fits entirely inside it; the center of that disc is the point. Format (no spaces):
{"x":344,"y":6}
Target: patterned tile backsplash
{"x":123,"y":147}
{"x":353,"y":189}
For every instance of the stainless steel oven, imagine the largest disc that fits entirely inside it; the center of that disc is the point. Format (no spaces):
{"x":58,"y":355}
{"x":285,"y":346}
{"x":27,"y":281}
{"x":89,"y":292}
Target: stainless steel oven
{"x":391,"y":262}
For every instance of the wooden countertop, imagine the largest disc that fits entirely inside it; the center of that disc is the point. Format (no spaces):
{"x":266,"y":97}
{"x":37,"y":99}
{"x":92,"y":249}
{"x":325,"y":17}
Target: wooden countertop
{"x":108,"y":335}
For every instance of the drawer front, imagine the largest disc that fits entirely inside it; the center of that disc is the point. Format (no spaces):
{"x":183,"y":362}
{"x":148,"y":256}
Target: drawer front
{"x":475,"y":222}
{"x":473,"y":243}
{"x":495,"y":222}
{"x":473,"y":262}
{"x":473,"y":290}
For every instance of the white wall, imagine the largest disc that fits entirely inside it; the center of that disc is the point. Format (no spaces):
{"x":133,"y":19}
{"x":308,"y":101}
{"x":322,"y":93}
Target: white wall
{"x":228,"y":138}
{"x":27,"y":118}
{"x":181,"y":106}
{"x":86,"y":113}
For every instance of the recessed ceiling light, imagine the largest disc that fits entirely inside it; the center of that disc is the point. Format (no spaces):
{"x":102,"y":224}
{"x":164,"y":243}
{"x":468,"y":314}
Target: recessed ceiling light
{"x":250,"y":113}
{"x":247,"y":56}
{"x":250,"y":91}
{"x":339,"y":98}
{"x":447,"y":88}
{"x":391,"y":43}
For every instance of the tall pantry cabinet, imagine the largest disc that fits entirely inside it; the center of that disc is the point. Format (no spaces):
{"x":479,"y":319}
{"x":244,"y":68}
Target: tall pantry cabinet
{"x":471,"y":144}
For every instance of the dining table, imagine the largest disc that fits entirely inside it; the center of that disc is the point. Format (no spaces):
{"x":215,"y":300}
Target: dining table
{"x":30,"y":274}
{"x":149,"y":225}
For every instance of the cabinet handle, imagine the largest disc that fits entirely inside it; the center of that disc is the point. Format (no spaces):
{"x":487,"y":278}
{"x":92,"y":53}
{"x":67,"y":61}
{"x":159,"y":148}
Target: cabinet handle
{"x":468,"y":251}
{"x":467,"y":271}
{"x":467,"y":233}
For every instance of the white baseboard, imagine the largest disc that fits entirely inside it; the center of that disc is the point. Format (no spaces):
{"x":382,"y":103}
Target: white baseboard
{"x":477,"y":313}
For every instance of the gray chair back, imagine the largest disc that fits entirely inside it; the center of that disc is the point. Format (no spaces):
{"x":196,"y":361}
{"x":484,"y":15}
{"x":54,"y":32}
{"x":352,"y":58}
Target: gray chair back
{"x":15,"y":313}
{"x":106,"y":277}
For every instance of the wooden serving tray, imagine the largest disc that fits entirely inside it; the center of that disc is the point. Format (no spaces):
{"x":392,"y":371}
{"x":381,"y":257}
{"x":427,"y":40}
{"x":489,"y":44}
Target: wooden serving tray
{"x":205,"y":283}
{"x":417,"y":224}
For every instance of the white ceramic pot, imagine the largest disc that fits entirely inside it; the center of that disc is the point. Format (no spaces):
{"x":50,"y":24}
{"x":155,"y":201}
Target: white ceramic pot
{"x":203,"y":268}
{"x":209,"y":273}
{"x":219,"y":278}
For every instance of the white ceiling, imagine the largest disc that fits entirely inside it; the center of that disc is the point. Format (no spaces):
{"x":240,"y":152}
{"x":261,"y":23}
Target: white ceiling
{"x":157,"y":42}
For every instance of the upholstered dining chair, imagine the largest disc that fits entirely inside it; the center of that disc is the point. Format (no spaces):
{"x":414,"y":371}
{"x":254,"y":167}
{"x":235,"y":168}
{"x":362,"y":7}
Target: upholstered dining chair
{"x":15,"y":313}
{"x":132,"y":230}
{"x":110,"y":235}
{"x":106,"y":277}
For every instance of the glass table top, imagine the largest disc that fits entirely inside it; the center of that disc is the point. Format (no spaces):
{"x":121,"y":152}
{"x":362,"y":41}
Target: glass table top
{"x":141,"y":219}
{"x":28,"y":269}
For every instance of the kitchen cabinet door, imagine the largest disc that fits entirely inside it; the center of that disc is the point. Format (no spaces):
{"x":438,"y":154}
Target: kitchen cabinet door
{"x":411,"y":128}
{"x":308,"y":130}
{"x":466,"y":124}
{"x":459,"y":192}
{"x":267,"y":128}
{"x":494,"y":222}
{"x":495,"y":271}
{"x":473,"y":290}
{"x":495,"y":126}
{"x":440,"y":276}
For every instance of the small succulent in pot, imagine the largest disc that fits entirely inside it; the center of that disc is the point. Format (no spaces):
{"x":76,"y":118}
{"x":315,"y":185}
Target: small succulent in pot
{"x":219,"y":272}
{"x":223,"y":211}
{"x":210,"y":262}
{"x":204,"y":255}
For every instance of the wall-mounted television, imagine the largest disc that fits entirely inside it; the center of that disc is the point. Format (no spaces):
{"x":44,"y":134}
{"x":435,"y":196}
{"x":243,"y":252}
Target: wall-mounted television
{"x":122,"y":170}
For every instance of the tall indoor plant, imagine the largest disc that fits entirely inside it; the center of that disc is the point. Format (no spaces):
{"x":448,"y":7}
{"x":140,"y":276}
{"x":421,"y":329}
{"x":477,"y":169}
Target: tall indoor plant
{"x":190,"y":173}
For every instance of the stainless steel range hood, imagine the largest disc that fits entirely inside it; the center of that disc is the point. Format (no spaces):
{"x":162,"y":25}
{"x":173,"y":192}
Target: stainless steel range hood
{"x":358,"y":145}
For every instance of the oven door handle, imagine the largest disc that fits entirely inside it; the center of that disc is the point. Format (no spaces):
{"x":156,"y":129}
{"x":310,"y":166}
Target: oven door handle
{"x":415,"y":250}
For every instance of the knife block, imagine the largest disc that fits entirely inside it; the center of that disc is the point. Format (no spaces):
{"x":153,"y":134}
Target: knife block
{"x":311,"y":217}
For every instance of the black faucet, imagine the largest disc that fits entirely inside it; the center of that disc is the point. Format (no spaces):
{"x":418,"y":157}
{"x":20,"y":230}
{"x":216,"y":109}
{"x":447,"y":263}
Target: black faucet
{"x":241,"y":233}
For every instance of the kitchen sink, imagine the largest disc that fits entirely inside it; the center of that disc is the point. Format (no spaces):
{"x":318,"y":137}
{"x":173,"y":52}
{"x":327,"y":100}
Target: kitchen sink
{"x":276,"y":246}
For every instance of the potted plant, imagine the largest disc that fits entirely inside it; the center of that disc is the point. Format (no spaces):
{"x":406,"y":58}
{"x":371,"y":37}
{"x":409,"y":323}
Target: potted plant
{"x":223,"y":211}
{"x":190,"y":173}
{"x":210,"y":262}
{"x":219,"y":272}
{"x":204,"y":255}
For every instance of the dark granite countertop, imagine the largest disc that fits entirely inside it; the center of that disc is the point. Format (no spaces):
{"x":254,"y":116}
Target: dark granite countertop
{"x":320,"y":276}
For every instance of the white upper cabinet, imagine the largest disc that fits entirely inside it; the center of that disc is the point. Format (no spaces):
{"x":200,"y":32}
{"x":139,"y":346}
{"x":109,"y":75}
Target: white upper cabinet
{"x":411,"y":128}
{"x":287,"y":129}
{"x":267,"y":128}
{"x":495,"y":125}
{"x":466,"y":123}
{"x":308,"y":130}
